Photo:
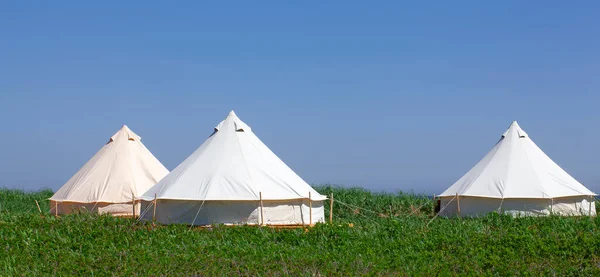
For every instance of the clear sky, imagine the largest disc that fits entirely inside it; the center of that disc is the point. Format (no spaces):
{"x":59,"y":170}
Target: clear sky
{"x":385,"y":95}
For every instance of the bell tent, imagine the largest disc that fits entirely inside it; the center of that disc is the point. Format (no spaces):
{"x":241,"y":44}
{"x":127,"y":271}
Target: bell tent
{"x":516,"y":177}
{"x":108,"y":183}
{"x":233,"y":178}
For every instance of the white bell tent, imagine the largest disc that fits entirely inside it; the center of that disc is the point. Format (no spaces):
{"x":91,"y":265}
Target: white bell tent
{"x":516,"y":177}
{"x":233,"y":178}
{"x":108,"y":183}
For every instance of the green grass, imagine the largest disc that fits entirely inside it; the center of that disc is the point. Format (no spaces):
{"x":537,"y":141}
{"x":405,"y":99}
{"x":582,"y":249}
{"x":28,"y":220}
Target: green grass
{"x":388,"y":238}
{"x":17,"y":202}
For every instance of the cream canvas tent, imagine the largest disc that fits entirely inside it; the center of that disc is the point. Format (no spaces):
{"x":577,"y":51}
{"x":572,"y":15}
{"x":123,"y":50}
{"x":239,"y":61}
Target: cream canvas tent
{"x":122,"y":170}
{"x":516,"y":177}
{"x":233,"y":178}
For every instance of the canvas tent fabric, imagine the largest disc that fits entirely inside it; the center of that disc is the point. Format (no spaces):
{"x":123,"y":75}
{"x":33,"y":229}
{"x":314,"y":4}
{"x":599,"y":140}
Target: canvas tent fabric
{"x":122,"y":170}
{"x":518,"y":178}
{"x":224,"y":180}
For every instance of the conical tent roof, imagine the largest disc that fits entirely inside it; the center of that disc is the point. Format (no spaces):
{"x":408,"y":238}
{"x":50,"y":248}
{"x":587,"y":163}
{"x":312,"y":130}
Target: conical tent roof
{"x":517,"y":168}
{"x":122,"y":169}
{"x":232,"y":164}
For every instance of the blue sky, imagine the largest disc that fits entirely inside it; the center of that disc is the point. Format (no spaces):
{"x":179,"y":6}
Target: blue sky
{"x":387,"y":95}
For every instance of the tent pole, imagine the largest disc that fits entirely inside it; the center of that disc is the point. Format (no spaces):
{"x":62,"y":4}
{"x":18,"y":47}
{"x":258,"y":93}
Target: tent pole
{"x":38,"y":206}
{"x":458,"y":203}
{"x":310,"y":208}
{"x":590,"y":209}
{"x":133,"y":205}
{"x":262,"y":215}
{"x":331,"y":208}
{"x":56,"y":208}
{"x":434,"y":204}
{"x":154,"y":212}
{"x":551,"y":206}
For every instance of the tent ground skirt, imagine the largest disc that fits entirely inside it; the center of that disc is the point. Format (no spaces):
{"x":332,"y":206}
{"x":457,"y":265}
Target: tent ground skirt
{"x":478,"y":206}
{"x":115,"y":209}
{"x":292,"y":212}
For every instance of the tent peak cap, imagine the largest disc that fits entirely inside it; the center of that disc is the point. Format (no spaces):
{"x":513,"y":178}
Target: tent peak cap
{"x":233,"y":120}
{"x":127,"y":133}
{"x":514,"y":128}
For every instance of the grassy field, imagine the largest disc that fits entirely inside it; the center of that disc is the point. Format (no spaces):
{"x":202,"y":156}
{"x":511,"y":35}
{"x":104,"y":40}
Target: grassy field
{"x":387,"y":236}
